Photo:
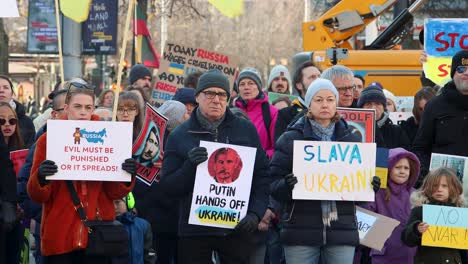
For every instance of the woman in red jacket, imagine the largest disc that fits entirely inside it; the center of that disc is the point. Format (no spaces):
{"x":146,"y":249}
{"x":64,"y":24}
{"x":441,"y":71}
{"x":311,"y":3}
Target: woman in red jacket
{"x":64,"y":236}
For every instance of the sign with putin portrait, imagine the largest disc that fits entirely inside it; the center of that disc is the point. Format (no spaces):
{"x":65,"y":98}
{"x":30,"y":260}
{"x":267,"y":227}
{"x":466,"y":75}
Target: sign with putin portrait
{"x":89,"y":150}
{"x":148,"y":147}
{"x":222,"y":185}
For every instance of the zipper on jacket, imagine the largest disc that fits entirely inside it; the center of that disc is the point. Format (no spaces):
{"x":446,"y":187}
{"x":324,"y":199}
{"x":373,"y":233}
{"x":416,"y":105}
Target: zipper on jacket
{"x":324,"y":235}
{"x":216,"y":135}
{"x":80,"y":232}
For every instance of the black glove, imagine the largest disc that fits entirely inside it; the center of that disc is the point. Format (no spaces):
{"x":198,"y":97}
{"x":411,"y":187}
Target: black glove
{"x":248,"y":224}
{"x":376,"y":183}
{"x":129,"y":166}
{"x":47,"y":168}
{"x":290,"y":180}
{"x":9,"y":215}
{"x":197,"y":155}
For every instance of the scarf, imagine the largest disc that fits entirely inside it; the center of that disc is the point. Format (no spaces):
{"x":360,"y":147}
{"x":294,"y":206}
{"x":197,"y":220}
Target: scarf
{"x":382,"y":120}
{"x":208,"y":125}
{"x":329,"y":211}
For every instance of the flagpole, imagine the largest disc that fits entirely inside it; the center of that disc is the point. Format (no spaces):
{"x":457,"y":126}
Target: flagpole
{"x":59,"y":36}
{"x":131,"y":4}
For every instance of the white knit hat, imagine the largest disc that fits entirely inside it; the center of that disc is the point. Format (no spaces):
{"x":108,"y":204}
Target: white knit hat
{"x":318,"y":85}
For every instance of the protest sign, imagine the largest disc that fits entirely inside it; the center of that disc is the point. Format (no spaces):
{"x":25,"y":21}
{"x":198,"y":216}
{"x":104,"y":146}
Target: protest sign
{"x":374,"y":229}
{"x":273,"y":96}
{"x":89,"y":150}
{"x":178,"y":61}
{"x":397,"y":117}
{"x":148,"y":148}
{"x":222,"y":185}
{"x":404,"y":103}
{"x":381,"y":166}
{"x":334,"y":170}
{"x":42,"y":27}
{"x":9,"y":9}
{"x":459,"y":164}
{"x":448,"y":226}
{"x":18,"y":157}
{"x":361,"y":122}
{"x":443,"y":37}
{"x":99,"y":31}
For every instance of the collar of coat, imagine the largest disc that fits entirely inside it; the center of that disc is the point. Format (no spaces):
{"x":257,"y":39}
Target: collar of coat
{"x":195,"y":126}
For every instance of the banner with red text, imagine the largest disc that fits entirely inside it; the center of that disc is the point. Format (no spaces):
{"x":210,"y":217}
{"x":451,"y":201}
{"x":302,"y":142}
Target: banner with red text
{"x":89,"y":150}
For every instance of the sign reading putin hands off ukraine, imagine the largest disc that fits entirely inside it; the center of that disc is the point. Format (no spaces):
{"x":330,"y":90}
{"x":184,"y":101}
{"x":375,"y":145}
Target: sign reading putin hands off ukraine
{"x":334,"y":170}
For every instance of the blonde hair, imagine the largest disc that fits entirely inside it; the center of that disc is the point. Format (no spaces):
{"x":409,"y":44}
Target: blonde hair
{"x":432,"y":180}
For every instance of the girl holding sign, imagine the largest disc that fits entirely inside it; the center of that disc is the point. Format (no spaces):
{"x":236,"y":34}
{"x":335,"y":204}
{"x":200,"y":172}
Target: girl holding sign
{"x":394,"y":202}
{"x":440,"y":187}
{"x":316,"y":230}
{"x":64,"y":236}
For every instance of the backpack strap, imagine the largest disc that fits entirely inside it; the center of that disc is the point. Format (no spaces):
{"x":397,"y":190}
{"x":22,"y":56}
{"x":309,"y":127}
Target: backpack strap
{"x":267,"y":118}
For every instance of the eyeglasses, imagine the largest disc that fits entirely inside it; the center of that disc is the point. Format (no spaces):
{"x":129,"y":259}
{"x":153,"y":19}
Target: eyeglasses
{"x":461,"y":69}
{"x":346,"y":88}
{"x":212,"y":95}
{"x":11,"y":121}
{"x":128,"y":110}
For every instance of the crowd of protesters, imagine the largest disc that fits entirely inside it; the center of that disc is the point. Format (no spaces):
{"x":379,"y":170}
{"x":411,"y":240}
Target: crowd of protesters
{"x":276,"y":228}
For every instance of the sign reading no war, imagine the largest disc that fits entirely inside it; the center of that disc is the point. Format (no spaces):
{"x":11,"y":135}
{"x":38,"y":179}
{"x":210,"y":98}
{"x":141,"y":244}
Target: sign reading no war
{"x":334,"y":170}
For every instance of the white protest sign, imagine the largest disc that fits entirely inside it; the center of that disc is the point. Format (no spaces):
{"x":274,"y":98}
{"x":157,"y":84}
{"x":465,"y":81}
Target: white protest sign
{"x":374,"y":229}
{"x":222,"y":185}
{"x":334,"y":170}
{"x":9,"y":9}
{"x":396,"y":117}
{"x":89,"y":150}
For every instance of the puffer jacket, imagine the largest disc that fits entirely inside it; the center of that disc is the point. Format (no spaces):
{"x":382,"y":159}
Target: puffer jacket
{"x":305,"y":226}
{"x":253,"y":108}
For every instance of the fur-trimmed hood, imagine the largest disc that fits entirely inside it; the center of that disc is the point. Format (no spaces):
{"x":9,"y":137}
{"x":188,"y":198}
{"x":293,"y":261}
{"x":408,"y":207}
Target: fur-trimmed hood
{"x":418,"y":198}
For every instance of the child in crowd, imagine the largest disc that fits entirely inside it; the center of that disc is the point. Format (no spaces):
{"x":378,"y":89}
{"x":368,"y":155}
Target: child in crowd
{"x":140,"y":236}
{"x":441,"y":187}
{"x":394,"y":202}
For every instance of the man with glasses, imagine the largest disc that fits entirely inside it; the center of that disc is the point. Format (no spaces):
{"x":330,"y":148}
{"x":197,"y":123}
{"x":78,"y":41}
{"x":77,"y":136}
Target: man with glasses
{"x":213,"y":121}
{"x":342,"y":78}
{"x":444,"y":124}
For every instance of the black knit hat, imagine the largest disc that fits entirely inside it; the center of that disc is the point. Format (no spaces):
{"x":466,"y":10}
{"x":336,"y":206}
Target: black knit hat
{"x":213,"y":78}
{"x":372,"y":94}
{"x":459,"y":59}
{"x":138,"y":71}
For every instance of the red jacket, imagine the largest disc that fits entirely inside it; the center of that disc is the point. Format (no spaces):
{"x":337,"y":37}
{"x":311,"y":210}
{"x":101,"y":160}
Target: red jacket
{"x":61,"y":228}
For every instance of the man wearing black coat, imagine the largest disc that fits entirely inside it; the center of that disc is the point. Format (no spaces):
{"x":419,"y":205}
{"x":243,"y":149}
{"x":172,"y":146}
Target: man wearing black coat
{"x":213,"y":121}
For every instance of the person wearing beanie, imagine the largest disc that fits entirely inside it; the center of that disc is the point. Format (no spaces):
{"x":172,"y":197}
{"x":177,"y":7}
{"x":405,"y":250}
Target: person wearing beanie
{"x":212,"y":121}
{"x":187,"y":97}
{"x":279,"y":80}
{"x":254,"y":102}
{"x":175,"y":112}
{"x":444,"y":123}
{"x":387,"y":135}
{"x":318,"y":226}
{"x":140,"y":76}
{"x":391,"y":100}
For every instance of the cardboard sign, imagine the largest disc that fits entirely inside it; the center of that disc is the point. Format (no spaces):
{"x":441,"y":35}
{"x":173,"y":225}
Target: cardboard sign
{"x":178,"y":61}
{"x":9,"y":9}
{"x":89,"y":150}
{"x":334,"y":170}
{"x":442,"y":39}
{"x":149,"y":145}
{"x":459,"y":164}
{"x":273,"y":96}
{"x":374,"y":229}
{"x":18,"y":158}
{"x":222,"y":185}
{"x":397,"y":117}
{"x":361,"y":121}
{"x":448,"y":226}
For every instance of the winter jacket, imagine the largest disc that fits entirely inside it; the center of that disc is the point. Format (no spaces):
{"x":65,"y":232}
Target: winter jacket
{"x":425,"y":254}
{"x":411,"y":128}
{"x":25,"y":124}
{"x":7,"y":174}
{"x":305,"y":226}
{"x":62,"y":231}
{"x":288,"y":115}
{"x":140,"y":240}
{"x":443,"y":127}
{"x":253,"y":108}
{"x":391,"y":136}
{"x":178,"y":173}
{"x":398,"y":207}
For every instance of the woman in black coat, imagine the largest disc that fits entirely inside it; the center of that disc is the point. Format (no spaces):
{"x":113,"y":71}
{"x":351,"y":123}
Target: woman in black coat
{"x":314,"y":229}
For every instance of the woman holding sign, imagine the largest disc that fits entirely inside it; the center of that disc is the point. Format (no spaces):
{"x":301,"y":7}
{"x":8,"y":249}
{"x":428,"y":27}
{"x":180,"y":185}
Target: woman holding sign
{"x":316,"y":230}
{"x":64,"y":236}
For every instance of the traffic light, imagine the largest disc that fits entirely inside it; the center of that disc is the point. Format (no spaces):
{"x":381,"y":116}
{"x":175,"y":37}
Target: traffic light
{"x":124,"y":69}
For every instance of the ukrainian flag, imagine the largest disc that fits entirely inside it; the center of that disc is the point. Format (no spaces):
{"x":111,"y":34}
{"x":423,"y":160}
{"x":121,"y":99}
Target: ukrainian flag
{"x":176,"y":68}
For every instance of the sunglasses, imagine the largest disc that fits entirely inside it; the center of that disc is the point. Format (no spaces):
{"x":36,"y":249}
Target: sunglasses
{"x":461,"y":69}
{"x":78,"y":85}
{"x":11,"y":121}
